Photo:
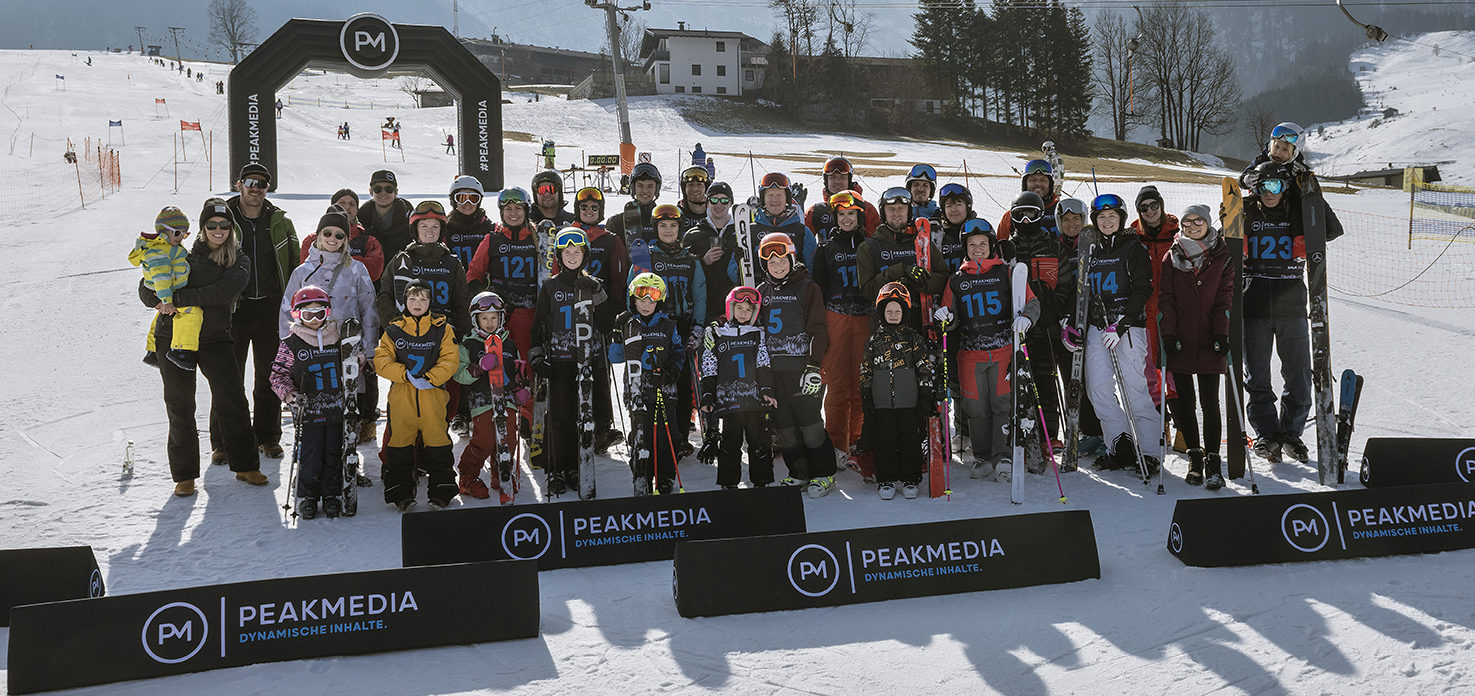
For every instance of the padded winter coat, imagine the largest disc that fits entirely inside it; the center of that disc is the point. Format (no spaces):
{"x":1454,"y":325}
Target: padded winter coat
{"x":351,"y":290}
{"x":1195,"y":309}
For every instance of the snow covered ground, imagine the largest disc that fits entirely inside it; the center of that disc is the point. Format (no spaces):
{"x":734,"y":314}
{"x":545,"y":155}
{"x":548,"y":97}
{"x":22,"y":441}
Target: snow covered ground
{"x":75,"y":393}
{"x":1431,"y":84}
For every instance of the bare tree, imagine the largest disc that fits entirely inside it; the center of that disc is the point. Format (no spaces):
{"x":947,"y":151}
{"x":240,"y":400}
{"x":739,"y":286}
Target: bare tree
{"x":1258,"y":123}
{"x":1114,"y":72}
{"x":801,"y":17}
{"x":414,"y":85}
{"x":1190,"y":81}
{"x":848,"y":26}
{"x":232,"y":26}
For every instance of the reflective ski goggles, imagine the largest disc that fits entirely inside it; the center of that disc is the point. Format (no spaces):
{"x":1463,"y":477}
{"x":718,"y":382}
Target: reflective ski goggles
{"x":589,"y":193}
{"x":512,"y":195}
{"x":1026,"y":214}
{"x":547,"y":189}
{"x":896,"y":194}
{"x":773,"y":180}
{"x":977,"y":226}
{"x":665,"y":211}
{"x":487,"y":302}
{"x":894,"y":291}
{"x":649,"y":292}
{"x":430,"y":207}
{"x":1038,"y":166}
{"x":837,"y":165}
{"x":954,"y":191}
{"x":312,"y":313}
{"x":466,"y":197}
{"x":694,"y":173}
{"x":1285,"y":132}
{"x":922,"y":171}
{"x":845,"y":200}
{"x":1271,"y":186}
{"x":1071,"y":205}
{"x":1107,"y":201}
{"x":570,"y":236}
{"x":775,"y":248}
{"x":746,"y":295}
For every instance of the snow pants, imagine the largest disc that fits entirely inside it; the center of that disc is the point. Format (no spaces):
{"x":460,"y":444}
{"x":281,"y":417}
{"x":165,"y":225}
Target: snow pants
{"x":1291,"y":338}
{"x":320,"y":460}
{"x":230,"y":417}
{"x":1103,"y":386}
{"x":896,"y":436}
{"x":841,"y":370}
{"x":799,"y":431}
{"x":751,"y":426}
{"x":988,"y":400}
{"x":483,"y":444}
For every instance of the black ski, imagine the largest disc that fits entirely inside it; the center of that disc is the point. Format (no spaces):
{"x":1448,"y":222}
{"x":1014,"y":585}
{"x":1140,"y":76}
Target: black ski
{"x":1314,"y":228}
{"x":1346,"y":418}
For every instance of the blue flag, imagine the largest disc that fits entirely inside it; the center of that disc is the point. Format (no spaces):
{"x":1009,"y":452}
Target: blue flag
{"x":115,"y":123}
{"x":61,"y":77}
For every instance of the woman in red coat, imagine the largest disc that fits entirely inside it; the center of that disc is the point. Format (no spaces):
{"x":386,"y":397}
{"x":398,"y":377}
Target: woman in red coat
{"x":1197,"y":289}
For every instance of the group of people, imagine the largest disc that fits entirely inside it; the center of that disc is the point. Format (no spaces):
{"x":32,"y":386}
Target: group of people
{"x":815,"y":331}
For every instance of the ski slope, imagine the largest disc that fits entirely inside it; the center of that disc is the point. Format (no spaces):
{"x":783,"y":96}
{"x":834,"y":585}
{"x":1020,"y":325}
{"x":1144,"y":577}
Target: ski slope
{"x":1432,"y":85}
{"x":75,"y":394}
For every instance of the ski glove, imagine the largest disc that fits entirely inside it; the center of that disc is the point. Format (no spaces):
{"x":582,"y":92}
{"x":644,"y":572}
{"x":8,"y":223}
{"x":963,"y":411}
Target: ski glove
{"x":538,"y":362}
{"x":1110,"y":338}
{"x":917,"y":273}
{"x":799,"y":193}
{"x":521,"y":397}
{"x":944,"y":315}
{"x":489,"y":362}
{"x":586,"y":282}
{"x":1220,"y":346}
{"x":421,"y":383}
{"x":709,"y":400}
{"x":1022,"y":324}
{"x":1072,"y":338}
{"x":811,"y":381}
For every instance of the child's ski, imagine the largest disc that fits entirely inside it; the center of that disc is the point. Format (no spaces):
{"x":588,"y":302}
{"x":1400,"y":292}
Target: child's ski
{"x":504,"y":472}
{"x":1070,"y":457}
{"x":536,"y":449}
{"x":934,"y":444}
{"x":588,"y":348}
{"x":350,"y":350}
{"x":1346,"y":417}
{"x":1023,"y":422}
{"x":636,"y":242}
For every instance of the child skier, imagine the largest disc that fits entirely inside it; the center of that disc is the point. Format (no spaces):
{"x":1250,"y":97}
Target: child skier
{"x":163,"y":258}
{"x":307,"y":375}
{"x":650,"y":345}
{"x":1197,"y":290}
{"x":896,"y":372}
{"x":686,"y":304}
{"x":417,"y":354}
{"x":477,"y":367}
{"x":1116,"y":338}
{"x":794,"y":311}
{"x":737,"y":385}
{"x":977,"y":307}
{"x":556,"y":354}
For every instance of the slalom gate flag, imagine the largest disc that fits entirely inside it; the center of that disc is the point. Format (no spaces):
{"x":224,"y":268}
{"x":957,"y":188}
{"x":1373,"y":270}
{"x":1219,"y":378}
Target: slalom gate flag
{"x":61,"y":77}
{"x":188,"y":126}
{"x":388,"y":135}
{"x":115,"y":123}
{"x":159,"y":101}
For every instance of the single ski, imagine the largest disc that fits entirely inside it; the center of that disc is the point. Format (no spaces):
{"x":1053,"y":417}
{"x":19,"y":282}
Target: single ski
{"x":1075,"y":386}
{"x":536,"y":450}
{"x":1314,"y":229}
{"x":746,"y":245}
{"x":1346,"y":417}
{"x":1057,"y":167}
{"x":504,"y":473}
{"x":587,"y":351}
{"x":1233,"y":225}
{"x":1023,"y":423}
{"x":934,"y":445}
{"x":640,"y":454}
{"x":350,"y":350}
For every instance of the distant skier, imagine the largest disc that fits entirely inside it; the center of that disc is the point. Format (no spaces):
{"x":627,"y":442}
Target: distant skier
{"x":450,"y":144}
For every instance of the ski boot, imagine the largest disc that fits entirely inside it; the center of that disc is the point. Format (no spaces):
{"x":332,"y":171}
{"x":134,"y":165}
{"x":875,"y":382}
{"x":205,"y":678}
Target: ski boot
{"x":887,"y":491}
{"x":910,"y":491}
{"x":332,"y":507}
{"x":1293,"y":446}
{"x":820,"y":486}
{"x":307,"y":508}
{"x":1267,"y":447}
{"x":472,"y":486}
{"x":982,"y":469}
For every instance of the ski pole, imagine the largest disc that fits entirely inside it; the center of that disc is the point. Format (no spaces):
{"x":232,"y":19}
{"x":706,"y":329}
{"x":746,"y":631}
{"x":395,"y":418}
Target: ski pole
{"x":1239,"y":415}
{"x":292,"y":471}
{"x":947,"y":426}
{"x":1044,"y":429}
{"x":614,"y":393}
{"x":1162,"y":391}
{"x":666,"y":423}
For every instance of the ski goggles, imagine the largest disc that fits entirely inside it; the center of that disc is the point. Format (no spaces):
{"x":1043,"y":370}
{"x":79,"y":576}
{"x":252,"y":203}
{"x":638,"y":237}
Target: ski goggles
{"x":312,"y":314}
{"x":570,"y":236}
{"x":894,"y":291}
{"x":1107,"y":201}
{"x":773,"y":180}
{"x":589,"y":193}
{"x":1038,"y":166}
{"x":1026,"y":214}
{"x":466,"y":197}
{"x":845,"y":200}
{"x":1273,"y":187}
{"x":512,"y":195}
{"x":837,"y":165}
{"x":547,"y":189}
{"x":922,"y":171}
{"x":649,"y":292}
{"x":976,"y":226}
{"x":1286,"y":133}
{"x":666,"y":211}
{"x":1071,"y":205}
{"x":746,"y":295}
{"x":694,"y":173}
{"x":954,"y":191}
{"x":430,"y":207}
{"x":896,"y":194}
{"x":775,"y":248}
{"x":488,"y":303}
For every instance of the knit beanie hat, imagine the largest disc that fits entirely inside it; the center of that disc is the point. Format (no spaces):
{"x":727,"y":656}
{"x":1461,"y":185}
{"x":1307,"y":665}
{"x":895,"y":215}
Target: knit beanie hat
{"x":1148,"y":193}
{"x":170,"y":219}
{"x":333,"y":218}
{"x":215,"y":207}
{"x":345,"y":192}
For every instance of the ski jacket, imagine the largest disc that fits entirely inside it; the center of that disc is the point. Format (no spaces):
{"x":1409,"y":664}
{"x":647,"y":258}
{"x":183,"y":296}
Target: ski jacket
{"x":686,"y":284}
{"x":896,"y":365}
{"x":837,"y":275}
{"x":1157,"y":241}
{"x":645,"y":345}
{"x":480,"y":394}
{"x":949,"y":240}
{"x":309,"y":362}
{"x":435,"y":264}
{"x":211,"y":287}
{"x":981,"y":297}
{"x":555,"y":332}
{"x":165,"y":266}
{"x":793,"y":314}
{"x":790,"y":222}
{"x":616,"y":225}
{"x":609,"y":262}
{"x":562,"y":218}
{"x":689,"y":217}
{"x":506,"y":262}
{"x":734,"y":370}
{"x":1194,"y":308}
{"x":700,"y":239}
{"x":364,"y":248}
{"x":1051,"y":276}
{"x":281,"y":239}
{"x":821,"y":219}
{"x":1275,"y":260}
{"x":345,"y":280}
{"x":1121,"y":275}
{"x":1005,"y":229}
{"x":462,"y":234}
{"x":889,"y":256}
{"x":392,"y":229}
{"x":419,"y":347}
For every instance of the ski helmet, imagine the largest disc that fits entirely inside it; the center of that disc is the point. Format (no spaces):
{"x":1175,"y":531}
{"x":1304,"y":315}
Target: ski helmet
{"x":777,"y":244}
{"x":514,"y":195}
{"x":428,"y":210}
{"x":1288,"y":132}
{"x":1070,"y":205}
{"x":1028,"y":207}
{"x":694,"y":173}
{"x":974,"y":226}
{"x":896,"y":195}
{"x":571,"y":236}
{"x":743,"y":293}
{"x":956,"y":190}
{"x":648,"y":285}
{"x":487,"y":302}
{"x":1272,"y":177}
{"x":775,"y":180}
{"x":1038,"y":166}
{"x":469,"y":184}
{"x":548,"y":176}
{"x":923,"y":172}
{"x":894,"y":292}
{"x":590,"y":193}
{"x":1109,"y":201}
{"x":840,"y":165}
{"x":308,"y":294}
{"x":665,"y":211}
{"x":719,"y":188}
{"x":646,"y":170}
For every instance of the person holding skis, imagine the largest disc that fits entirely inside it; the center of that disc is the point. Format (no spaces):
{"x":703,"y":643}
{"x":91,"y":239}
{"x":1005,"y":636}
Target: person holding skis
{"x":645,"y":187}
{"x":977,"y":308}
{"x":1052,"y":280}
{"x":1070,"y":218}
{"x":476,"y":369}
{"x":648,"y":342}
{"x":1197,"y":290}
{"x":511,"y":272}
{"x":737,"y":386}
{"x":555,"y":353}
{"x":921,"y":184}
{"x":713,"y":240}
{"x":609,"y":262}
{"x":890,"y":254}
{"x":847,"y":320}
{"x":896,"y":378}
{"x":685,"y":302}
{"x":793,"y":307}
{"x":693,"y":203}
{"x":161,"y":255}
{"x":839,"y":178}
{"x":417,"y":354}
{"x":547,"y":191}
{"x":331,"y":268}
{"x":361,"y":245}
{"x":307,"y":376}
{"x":1115,"y":340}
{"x":387,"y":217}
{"x":1038,"y":178}
{"x":778,"y":212}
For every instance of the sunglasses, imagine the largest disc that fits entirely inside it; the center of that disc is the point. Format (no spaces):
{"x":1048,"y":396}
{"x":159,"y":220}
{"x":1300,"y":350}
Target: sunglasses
{"x":313,"y":313}
{"x":719,"y":200}
{"x":1195,"y":221}
{"x":468,"y":198}
{"x":382,"y":189}
{"x":217,"y":225}
{"x":1149,"y":207}
{"x":254,"y":183}
{"x":333,"y":235}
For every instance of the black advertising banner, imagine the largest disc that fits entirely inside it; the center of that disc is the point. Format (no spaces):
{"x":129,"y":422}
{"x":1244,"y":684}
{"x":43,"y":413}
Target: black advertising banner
{"x":797,"y":571}
{"x":1410,"y":461}
{"x":98,"y":641}
{"x":1246,"y":530}
{"x":597,"y":532}
{"x":32,"y":576}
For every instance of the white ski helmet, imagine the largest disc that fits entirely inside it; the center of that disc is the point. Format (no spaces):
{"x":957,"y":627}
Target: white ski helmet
{"x":466,"y":183}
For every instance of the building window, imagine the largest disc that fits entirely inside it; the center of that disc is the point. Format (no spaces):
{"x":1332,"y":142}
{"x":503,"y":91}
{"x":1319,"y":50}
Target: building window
{"x":722,"y":71}
{"x":747,"y":76}
{"x":696,"y":89}
{"x":722,"y":90}
{"x":665,"y":73}
{"x":722,"y":47}
{"x":680,"y":89}
{"x":696,"y":70}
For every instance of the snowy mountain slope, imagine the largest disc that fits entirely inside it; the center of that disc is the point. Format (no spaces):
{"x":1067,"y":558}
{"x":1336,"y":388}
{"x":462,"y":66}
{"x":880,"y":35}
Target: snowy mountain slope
{"x":1431,"y":89}
{"x":75,"y":392}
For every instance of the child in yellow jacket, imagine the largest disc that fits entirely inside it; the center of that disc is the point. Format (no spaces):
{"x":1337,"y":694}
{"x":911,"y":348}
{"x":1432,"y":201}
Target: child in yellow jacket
{"x":417,"y":354}
{"x":163,"y":258}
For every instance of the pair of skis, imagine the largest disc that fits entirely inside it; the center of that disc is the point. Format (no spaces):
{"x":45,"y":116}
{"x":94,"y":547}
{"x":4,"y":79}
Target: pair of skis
{"x":1075,"y":386}
{"x":505,"y":472}
{"x":936,"y":445}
